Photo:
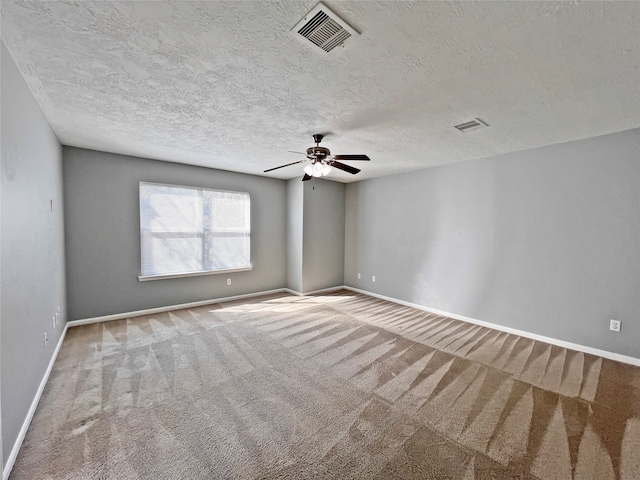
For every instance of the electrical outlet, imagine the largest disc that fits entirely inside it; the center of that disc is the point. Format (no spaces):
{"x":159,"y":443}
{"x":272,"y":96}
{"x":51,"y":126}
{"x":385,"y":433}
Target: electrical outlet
{"x":46,"y":339}
{"x":54,"y":320}
{"x":228,"y":281}
{"x":373,"y":278}
{"x":615,"y":325}
{"x":358,"y":274}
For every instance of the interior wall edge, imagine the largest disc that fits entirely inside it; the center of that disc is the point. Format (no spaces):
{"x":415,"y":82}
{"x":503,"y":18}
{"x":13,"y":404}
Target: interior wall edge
{"x":533,"y":336}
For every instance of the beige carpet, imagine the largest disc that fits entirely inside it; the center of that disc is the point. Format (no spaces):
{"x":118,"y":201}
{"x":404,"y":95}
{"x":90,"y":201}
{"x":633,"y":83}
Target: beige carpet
{"x":335,"y":386}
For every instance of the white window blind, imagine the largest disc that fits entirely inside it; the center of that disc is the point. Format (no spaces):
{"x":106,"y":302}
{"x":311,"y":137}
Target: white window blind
{"x":193,"y":230}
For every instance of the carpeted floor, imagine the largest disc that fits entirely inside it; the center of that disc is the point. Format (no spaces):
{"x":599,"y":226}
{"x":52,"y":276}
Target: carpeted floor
{"x":335,"y":386}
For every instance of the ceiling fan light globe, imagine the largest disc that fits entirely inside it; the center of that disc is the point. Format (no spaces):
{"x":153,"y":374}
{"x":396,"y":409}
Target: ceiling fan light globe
{"x":317,"y":169}
{"x":326,"y":169}
{"x":309,"y":170}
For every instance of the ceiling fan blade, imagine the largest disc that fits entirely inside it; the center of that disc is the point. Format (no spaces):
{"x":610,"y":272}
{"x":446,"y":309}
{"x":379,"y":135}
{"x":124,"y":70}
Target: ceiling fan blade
{"x":306,"y":177}
{"x":351,"y":157}
{"x":342,"y":166}
{"x":301,"y":153}
{"x":282,"y":166}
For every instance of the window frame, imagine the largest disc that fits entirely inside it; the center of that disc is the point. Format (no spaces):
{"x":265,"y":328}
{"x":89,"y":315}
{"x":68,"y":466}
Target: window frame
{"x":203,"y":233}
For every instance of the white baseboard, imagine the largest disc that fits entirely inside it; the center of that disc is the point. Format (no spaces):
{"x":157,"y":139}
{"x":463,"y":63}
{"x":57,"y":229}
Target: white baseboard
{"x":533,"y":336}
{"x":314,"y":292}
{"x":169,"y":308}
{"x":151,"y":311}
{"x":32,"y":409}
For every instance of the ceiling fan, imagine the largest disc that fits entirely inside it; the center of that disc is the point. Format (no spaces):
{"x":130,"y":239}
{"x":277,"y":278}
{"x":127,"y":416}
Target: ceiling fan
{"x":322,"y":161}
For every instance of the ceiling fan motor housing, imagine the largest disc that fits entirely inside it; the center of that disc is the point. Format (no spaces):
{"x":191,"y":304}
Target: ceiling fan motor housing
{"x":319,"y":153}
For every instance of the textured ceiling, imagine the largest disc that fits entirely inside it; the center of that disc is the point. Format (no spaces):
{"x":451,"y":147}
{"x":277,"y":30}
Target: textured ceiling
{"x":226,"y":85}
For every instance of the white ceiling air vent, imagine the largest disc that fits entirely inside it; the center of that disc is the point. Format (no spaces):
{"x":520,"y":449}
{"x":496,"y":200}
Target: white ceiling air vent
{"x":474,"y":124}
{"x":322,"y":29}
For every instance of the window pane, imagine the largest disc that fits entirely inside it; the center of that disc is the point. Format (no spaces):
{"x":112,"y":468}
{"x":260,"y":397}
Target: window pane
{"x":227,"y":251}
{"x":186,"y":229}
{"x":166,"y":209}
{"x":171,"y":255}
{"x":230,"y":211}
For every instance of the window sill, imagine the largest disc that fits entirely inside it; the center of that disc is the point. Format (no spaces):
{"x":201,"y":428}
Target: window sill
{"x":146,"y":278}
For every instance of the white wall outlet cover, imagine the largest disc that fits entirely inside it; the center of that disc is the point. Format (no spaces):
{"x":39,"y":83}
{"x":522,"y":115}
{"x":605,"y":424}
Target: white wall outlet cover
{"x":615,"y":325}
{"x":373,"y":278}
{"x":358,"y":275}
{"x":228,"y":281}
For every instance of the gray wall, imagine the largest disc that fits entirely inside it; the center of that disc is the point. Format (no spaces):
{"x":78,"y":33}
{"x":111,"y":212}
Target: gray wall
{"x":32,"y":278}
{"x":295,"y":202}
{"x":545,"y":240}
{"x":103,"y":234}
{"x":315,"y":234}
{"x":323,"y":235}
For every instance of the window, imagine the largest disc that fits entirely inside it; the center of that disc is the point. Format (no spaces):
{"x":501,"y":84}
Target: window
{"x":187,"y":231}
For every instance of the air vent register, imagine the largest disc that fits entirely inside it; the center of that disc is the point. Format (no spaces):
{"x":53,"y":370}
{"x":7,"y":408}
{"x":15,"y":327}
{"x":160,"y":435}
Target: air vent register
{"x":323,"y":30}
